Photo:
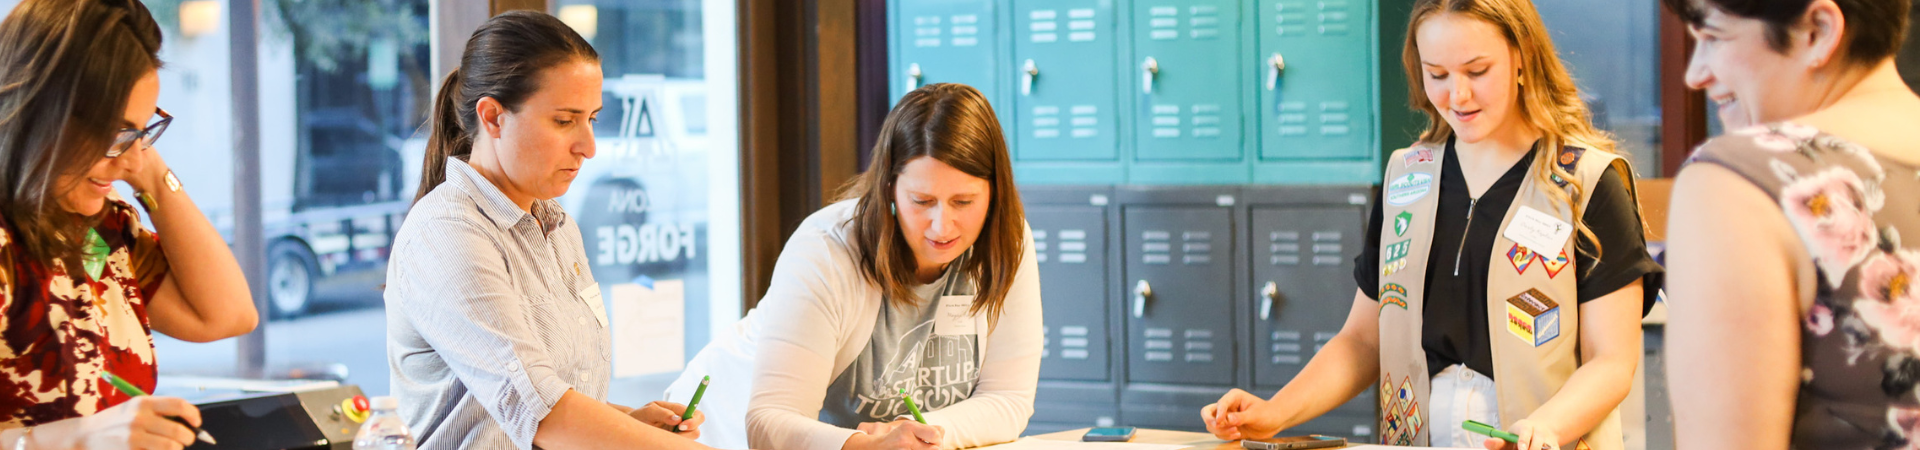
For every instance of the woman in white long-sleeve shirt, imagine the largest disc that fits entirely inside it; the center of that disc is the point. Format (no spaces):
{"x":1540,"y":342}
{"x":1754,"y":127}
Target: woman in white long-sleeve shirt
{"x":922,"y":278}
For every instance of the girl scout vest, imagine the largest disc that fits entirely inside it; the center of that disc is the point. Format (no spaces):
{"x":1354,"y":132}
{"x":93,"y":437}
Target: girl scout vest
{"x":1532,"y":311}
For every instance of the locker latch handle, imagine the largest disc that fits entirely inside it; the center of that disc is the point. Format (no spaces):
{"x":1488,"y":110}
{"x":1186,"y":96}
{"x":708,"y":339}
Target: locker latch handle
{"x":1141,"y":291}
{"x":1026,"y":82}
{"x":1277,"y":64}
{"x":1268,"y":296}
{"x":913,"y":76}
{"x":1149,"y":68}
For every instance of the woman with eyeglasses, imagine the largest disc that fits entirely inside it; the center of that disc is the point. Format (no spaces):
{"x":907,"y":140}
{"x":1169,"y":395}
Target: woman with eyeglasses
{"x":82,"y":284}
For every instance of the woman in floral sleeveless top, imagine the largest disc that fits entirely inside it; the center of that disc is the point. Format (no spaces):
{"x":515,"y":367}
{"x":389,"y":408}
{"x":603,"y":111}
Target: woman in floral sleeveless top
{"x":83,"y":285}
{"x":1798,"y":230}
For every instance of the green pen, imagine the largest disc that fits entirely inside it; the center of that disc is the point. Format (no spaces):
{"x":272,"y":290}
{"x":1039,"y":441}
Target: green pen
{"x":133,"y":391}
{"x":1489,"y":430}
{"x":912,"y":407}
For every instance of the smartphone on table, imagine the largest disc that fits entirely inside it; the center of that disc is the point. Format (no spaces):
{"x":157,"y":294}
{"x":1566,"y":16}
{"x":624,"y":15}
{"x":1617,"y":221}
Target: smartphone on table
{"x":1108,"y":434}
{"x":1294,"y":442}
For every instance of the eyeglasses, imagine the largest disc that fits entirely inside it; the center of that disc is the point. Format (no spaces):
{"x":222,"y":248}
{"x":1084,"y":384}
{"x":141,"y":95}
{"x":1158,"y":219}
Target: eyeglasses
{"x":126,"y":138}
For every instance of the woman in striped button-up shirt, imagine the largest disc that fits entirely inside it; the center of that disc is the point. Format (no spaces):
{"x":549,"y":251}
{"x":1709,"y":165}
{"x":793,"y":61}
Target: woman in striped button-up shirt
{"x":496,"y":332}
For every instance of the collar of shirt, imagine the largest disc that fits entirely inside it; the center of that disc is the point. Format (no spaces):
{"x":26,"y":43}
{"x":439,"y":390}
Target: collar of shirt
{"x":494,"y":204}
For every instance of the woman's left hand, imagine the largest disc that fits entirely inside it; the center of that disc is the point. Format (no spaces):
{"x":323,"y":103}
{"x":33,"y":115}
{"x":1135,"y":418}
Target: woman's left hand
{"x":1533,"y":436}
{"x":149,"y":175}
{"x":667,"y":415}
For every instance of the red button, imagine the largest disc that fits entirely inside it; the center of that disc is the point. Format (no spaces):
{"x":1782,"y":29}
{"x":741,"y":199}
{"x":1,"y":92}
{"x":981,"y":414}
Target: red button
{"x":360,"y":403}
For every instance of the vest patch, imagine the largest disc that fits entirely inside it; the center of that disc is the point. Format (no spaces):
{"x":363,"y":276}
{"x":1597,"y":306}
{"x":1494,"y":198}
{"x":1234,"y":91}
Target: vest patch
{"x":1410,"y":188}
{"x":1396,"y":257}
{"x":1554,"y":265}
{"x":1392,"y":300}
{"x":1419,"y":156}
{"x":1533,"y":317}
{"x":1400,"y":417}
{"x":1402,"y":223}
{"x":1520,"y":257}
{"x":1393,"y":294}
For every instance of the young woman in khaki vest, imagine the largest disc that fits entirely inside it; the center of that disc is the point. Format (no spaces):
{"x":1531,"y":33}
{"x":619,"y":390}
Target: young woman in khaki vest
{"x":1506,"y":273}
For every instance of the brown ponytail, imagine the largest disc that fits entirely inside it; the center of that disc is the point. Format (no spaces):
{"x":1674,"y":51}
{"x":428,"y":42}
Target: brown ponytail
{"x":446,"y":138}
{"x":502,"y":61}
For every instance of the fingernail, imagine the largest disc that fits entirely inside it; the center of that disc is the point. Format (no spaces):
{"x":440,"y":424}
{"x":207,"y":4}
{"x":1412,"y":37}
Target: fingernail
{"x":683,"y":428}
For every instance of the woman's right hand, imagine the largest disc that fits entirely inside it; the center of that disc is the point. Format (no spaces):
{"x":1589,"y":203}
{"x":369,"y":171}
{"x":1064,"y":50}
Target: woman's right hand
{"x":140,"y":424}
{"x":1241,"y":415}
{"x":902,"y":434}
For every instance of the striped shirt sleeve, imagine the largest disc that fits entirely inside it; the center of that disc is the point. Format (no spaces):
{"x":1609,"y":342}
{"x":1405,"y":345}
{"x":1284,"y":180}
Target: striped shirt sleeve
{"x":461,"y":298}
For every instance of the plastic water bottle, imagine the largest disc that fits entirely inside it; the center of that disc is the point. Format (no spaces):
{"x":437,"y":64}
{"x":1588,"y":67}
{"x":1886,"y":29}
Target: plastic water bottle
{"x":384,"y":430}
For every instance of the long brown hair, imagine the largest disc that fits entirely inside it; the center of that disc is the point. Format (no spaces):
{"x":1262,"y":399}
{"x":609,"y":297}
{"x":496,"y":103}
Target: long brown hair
{"x":502,"y":60}
{"x":953,"y":124}
{"x":1549,"y":100}
{"x":67,"y":71}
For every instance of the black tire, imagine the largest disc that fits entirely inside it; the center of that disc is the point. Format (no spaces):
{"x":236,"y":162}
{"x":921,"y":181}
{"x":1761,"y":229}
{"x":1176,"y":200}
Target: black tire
{"x":291,"y":272}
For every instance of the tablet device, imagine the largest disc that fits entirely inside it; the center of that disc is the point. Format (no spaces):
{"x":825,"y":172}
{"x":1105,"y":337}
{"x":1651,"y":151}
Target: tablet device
{"x":1294,"y":443}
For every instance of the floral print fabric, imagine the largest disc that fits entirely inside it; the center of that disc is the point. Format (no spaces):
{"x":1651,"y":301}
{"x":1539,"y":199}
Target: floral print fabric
{"x":1860,"y":337}
{"x":59,"y":329}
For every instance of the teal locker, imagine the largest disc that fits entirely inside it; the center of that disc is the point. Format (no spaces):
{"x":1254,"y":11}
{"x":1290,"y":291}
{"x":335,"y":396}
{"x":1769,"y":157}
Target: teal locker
{"x":1316,"y":92}
{"x":1188,"y":80}
{"x":945,"y":41}
{"x":1064,"y":72}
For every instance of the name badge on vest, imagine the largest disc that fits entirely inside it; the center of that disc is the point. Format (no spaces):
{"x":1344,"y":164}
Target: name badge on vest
{"x":591,"y":295}
{"x":1537,"y":231}
{"x":1533,"y":317}
{"x":955,"y":317}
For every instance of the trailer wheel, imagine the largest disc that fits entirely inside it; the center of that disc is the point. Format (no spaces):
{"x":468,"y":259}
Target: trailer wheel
{"x":290,"y":275}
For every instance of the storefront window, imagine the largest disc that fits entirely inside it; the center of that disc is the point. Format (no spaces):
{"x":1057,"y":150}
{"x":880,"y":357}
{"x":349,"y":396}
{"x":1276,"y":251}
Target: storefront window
{"x":1613,"y":50}
{"x":345,"y":88}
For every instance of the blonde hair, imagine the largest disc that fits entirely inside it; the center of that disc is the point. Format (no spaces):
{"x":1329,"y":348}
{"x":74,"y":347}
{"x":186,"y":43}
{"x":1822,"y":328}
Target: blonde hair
{"x":1549,"y":100}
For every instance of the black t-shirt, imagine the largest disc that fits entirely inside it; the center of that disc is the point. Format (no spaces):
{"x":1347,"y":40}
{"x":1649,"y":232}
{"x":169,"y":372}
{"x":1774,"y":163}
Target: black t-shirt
{"x":1454,"y":325}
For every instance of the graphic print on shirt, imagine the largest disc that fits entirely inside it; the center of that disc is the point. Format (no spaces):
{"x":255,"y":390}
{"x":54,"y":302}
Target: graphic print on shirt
{"x":937,"y":371}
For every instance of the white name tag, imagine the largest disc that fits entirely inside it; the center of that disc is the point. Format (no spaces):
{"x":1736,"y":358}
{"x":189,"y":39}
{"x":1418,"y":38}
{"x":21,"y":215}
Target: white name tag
{"x":591,"y":295}
{"x":1538,"y":231}
{"x":955,"y":317}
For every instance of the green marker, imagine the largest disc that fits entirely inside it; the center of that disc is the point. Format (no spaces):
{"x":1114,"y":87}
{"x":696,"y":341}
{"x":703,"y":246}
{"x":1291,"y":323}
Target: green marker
{"x":133,"y":391}
{"x":912,"y":407}
{"x":691,"y":405}
{"x":697,"y":392}
{"x":1489,"y":430}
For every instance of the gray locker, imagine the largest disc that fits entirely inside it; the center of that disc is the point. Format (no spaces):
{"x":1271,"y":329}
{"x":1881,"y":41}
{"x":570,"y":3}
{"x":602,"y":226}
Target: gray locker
{"x":1179,"y":281}
{"x":945,"y":41}
{"x":1302,"y":284}
{"x":1063,"y":66}
{"x":1302,"y":241}
{"x":1071,"y":245}
{"x":1187,"y":76}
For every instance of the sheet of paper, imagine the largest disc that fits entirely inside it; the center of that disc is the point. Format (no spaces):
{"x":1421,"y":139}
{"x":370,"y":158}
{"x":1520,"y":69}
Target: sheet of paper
{"x":1043,"y":444}
{"x":649,"y":327}
{"x":1383,"y":447}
